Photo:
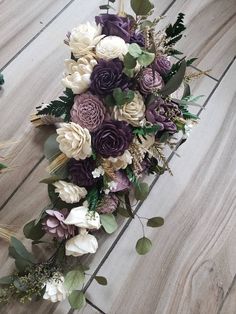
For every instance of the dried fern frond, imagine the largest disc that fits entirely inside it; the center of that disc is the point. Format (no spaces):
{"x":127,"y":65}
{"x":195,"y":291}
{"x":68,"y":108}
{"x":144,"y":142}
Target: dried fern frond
{"x":138,"y":154}
{"x":195,"y":75}
{"x":108,"y":168}
{"x":44,"y":120}
{"x":57,"y":163}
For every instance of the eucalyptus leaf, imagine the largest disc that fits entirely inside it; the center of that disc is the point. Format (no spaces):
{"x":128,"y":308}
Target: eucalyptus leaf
{"x":33,"y":231}
{"x":2,"y":166}
{"x":109,"y":223}
{"x":129,"y":72}
{"x":143,"y":246}
{"x":51,"y":147}
{"x":52,"y":194}
{"x":101,"y":280}
{"x":74,"y":279}
{"x":7,"y":280}
{"x":50,"y":180}
{"x":146,"y":58}
{"x":129,"y":61}
{"x":21,"y":250}
{"x":22,"y":264}
{"x":135,"y":50}
{"x":155,"y":222}
{"x":141,"y":191}
{"x":77,"y":300}
{"x":123,"y":212}
{"x":141,"y":7}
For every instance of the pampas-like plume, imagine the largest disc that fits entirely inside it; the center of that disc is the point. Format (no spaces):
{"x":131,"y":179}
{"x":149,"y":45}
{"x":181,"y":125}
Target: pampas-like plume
{"x":57,"y":163}
{"x":6,"y":233}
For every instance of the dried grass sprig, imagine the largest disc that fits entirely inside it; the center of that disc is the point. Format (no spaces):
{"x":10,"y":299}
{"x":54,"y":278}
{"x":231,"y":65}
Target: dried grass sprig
{"x":57,"y":163}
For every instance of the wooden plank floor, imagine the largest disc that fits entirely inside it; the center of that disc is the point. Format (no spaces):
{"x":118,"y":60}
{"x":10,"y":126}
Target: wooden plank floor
{"x":33,"y":77}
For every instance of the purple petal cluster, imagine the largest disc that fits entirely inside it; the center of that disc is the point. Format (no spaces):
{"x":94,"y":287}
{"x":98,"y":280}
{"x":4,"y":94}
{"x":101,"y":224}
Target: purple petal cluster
{"x":149,"y":81}
{"x":162,"y":65}
{"x":122,"y":181}
{"x":108,"y":204}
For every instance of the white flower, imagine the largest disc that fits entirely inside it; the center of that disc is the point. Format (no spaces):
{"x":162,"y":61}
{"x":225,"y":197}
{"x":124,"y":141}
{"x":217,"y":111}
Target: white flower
{"x":69,"y":192}
{"x":78,"y":74}
{"x":112,"y":185}
{"x":121,"y":162}
{"x":81,"y":244}
{"x":132,"y":112}
{"x":83,"y":218}
{"x":98,"y":172}
{"x":55,"y":289}
{"x":74,"y":141}
{"x":111,"y":47}
{"x":84,"y":38}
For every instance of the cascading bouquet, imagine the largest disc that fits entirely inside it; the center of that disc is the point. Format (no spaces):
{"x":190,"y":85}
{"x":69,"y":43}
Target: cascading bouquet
{"x":123,"y":104}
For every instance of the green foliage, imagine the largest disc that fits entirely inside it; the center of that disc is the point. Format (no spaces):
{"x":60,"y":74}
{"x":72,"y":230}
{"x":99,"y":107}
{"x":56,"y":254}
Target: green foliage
{"x":101,"y":280}
{"x":50,"y":180}
{"x":143,"y":246}
{"x":141,"y":7}
{"x":93,"y":197}
{"x":128,"y":205}
{"x":141,"y":191}
{"x":155,"y":222}
{"x":2,"y":166}
{"x":146,"y":130}
{"x":33,"y":231}
{"x":60,"y":108}
{"x":135,"y":50}
{"x":130,"y":61}
{"x":1,"y":79}
{"x":109,"y":223}
{"x":52,"y":194}
{"x":77,"y":300}
{"x":123,"y":212}
{"x":146,"y":58}
{"x":74,"y":279}
{"x":119,"y":97}
{"x":173,"y":32}
{"x":7,"y":280}
{"x":190,"y":61}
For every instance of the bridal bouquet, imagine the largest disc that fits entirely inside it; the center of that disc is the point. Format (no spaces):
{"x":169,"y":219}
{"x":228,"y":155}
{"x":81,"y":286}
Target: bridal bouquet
{"x":124,"y":101}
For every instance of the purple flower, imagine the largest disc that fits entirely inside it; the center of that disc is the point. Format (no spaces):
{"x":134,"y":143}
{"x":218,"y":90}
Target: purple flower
{"x":80,"y":172}
{"x":149,"y":81}
{"x":114,"y":25}
{"x":108,"y":204}
{"x":122,"y":181}
{"x":54,"y":224}
{"x":162,"y":65}
{"x":88,"y":111}
{"x":137,"y":38}
{"x":106,"y":76}
{"x":112,"y":139}
{"x":162,"y":113}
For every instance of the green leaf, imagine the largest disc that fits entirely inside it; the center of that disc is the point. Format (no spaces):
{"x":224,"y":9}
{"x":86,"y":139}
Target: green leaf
{"x":7,"y":280}
{"x":22,"y":264}
{"x":146,"y":58}
{"x":128,"y":205}
{"x":141,"y":191}
{"x":77,"y":300}
{"x":2,"y":166}
{"x":1,"y":79}
{"x":143,"y":246}
{"x":74,"y":279}
{"x":129,"y":72}
{"x":33,"y":231}
{"x":51,"y":147}
{"x":52,"y":194}
{"x":123,"y":97}
{"x":101,"y":280}
{"x":50,"y":180}
{"x":141,"y":7}
{"x":155,"y":222}
{"x":21,"y":250}
{"x":175,"y":81}
{"x":109,"y":223}
{"x":135,"y":50}
{"x":123,"y":212}
{"x":129,"y":61}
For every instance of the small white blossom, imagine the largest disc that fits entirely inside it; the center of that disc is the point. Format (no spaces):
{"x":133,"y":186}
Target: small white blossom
{"x":112,"y":185}
{"x":69,"y":192}
{"x":55,"y":289}
{"x":111,"y":47}
{"x":98,"y":172}
{"x":121,"y":162}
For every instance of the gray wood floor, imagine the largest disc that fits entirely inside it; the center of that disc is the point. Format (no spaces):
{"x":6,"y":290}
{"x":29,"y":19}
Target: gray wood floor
{"x":192,"y":266}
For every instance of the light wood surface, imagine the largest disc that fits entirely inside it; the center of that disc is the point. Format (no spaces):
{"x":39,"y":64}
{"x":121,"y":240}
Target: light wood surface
{"x":191,"y":268}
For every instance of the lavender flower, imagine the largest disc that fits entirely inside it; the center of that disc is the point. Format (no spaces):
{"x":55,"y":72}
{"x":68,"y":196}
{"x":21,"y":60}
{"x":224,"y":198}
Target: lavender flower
{"x":108,"y":204}
{"x":137,"y":38}
{"x":162,"y":65}
{"x":149,"y":81}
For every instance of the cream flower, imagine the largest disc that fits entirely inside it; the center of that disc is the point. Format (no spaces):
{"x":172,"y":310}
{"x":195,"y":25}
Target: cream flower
{"x":83,"y":218}
{"x":111,"y":47}
{"x":74,"y":141}
{"x":55,"y":289}
{"x":98,"y":172}
{"x":121,"y":162}
{"x":84,"y":38}
{"x":78,"y":74}
{"x":69,"y":192}
{"x":132,"y":112}
{"x":81,"y":244}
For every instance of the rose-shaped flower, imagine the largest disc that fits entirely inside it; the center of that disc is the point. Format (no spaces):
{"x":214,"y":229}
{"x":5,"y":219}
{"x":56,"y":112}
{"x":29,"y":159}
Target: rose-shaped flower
{"x":81,"y":244}
{"x":69,"y":192}
{"x":114,"y":25}
{"x":132,"y":112}
{"x":149,"y":81}
{"x":55,"y":290}
{"x":112,"y":139}
{"x":162,"y":65}
{"x":120,"y":162}
{"x":74,"y":141}
{"x":54,"y":223}
{"x":88,"y":111}
{"x":111,"y":47}
{"x":121,"y":182}
{"x":84,"y":38}
{"x":161,"y":113}
{"x":83,"y":218}
{"x":81,"y":171}
{"x":78,"y":73}
{"x":108,"y":75}
{"x":108,"y":204}
{"x":137,"y":38}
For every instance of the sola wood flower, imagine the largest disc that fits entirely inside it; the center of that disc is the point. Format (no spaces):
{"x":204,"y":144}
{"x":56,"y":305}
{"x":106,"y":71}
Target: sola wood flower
{"x":120,"y":162}
{"x":149,"y":81}
{"x":108,"y":204}
{"x":84,"y":38}
{"x":83,"y":218}
{"x":78,"y":74}
{"x":81,"y":244}
{"x":162,"y":65}
{"x":55,"y":290}
{"x":74,"y":141}
{"x":69,"y":192}
{"x":88,"y":111}
{"x":132,"y":112}
{"x":111,"y":47}
{"x":54,"y":223}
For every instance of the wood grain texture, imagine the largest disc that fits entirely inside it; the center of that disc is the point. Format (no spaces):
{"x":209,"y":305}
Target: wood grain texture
{"x":22,"y":20}
{"x":191,"y":268}
{"x":210,"y":33}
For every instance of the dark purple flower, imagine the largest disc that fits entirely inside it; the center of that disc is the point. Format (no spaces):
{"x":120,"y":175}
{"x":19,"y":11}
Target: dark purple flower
{"x":122,"y":181}
{"x":112,"y":139}
{"x":54,"y":224}
{"x":149,"y":81}
{"x":162,"y":114}
{"x":106,"y":76}
{"x":114,"y":25}
{"x":80,"y":172}
{"x":137,"y":38}
{"x":108,"y":204}
{"x":162,"y":65}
